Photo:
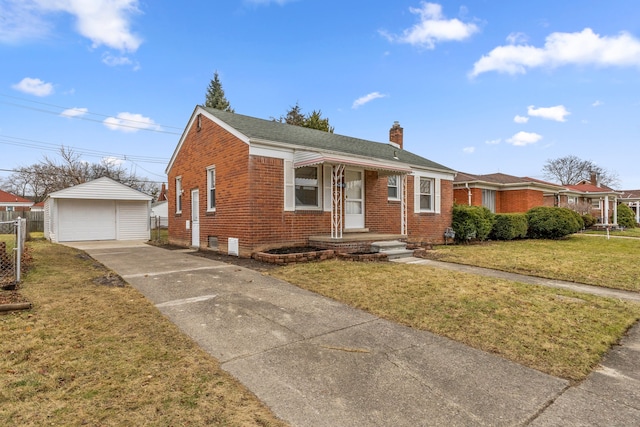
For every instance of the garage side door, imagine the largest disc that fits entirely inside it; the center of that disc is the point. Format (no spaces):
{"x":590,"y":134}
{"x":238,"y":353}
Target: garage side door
{"x":86,"y":220}
{"x":133,"y":220}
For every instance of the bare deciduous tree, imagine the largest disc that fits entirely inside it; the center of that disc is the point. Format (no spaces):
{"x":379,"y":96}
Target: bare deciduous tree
{"x":570,"y":170}
{"x":39,"y":179}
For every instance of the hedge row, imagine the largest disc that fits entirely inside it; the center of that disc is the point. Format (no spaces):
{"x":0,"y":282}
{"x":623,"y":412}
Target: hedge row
{"x":478,"y":223}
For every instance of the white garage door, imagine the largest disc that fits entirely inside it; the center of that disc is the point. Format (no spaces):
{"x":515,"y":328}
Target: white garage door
{"x":86,"y":220}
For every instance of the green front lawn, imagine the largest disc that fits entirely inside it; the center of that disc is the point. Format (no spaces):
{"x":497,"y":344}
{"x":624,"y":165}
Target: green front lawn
{"x":555,"y":331}
{"x":594,"y":260}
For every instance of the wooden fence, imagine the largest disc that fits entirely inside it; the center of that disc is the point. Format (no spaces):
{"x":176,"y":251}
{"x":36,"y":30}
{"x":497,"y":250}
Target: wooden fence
{"x":35,"y":220}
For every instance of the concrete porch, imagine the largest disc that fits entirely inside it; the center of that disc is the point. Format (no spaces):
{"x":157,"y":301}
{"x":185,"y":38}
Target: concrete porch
{"x":353,"y":242}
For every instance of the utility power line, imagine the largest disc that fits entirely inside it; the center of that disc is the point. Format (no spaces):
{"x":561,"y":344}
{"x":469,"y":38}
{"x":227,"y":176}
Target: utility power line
{"x":132,"y":124}
{"x":48,"y":146}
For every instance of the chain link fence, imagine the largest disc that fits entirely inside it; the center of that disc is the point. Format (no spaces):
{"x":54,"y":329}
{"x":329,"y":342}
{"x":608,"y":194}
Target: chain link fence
{"x":13,"y":235}
{"x":159,"y":226}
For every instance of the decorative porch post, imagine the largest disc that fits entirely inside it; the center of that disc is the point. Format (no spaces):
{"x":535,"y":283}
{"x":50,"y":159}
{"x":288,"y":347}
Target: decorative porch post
{"x":337,"y":173}
{"x":638,"y":212}
{"x":605,"y":209}
{"x":615,"y":210}
{"x":403,"y":206}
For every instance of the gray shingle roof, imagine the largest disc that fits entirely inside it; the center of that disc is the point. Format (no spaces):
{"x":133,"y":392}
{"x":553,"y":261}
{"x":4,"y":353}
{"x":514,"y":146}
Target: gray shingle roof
{"x":269,"y":130}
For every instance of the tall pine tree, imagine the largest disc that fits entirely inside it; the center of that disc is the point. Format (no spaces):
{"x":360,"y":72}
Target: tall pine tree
{"x":313,"y":120}
{"x":215,"y":95}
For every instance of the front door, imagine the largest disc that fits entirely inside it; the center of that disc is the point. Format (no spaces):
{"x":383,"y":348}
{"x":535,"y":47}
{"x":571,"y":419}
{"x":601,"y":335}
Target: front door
{"x":195,"y":218}
{"x":354,"y":199}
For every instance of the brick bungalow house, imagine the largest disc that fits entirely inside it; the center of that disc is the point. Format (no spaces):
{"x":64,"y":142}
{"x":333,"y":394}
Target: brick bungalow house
{"x":632,"y":199}
{"x":501,"y":193}
{"x":240,"y":185}
{"x":12,"y":203}
{"x":589,"y":196}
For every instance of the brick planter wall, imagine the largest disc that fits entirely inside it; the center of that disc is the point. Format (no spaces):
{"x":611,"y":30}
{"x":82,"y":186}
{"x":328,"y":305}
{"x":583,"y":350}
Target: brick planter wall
{"x":371,"y":257}
{"x":282,"y":259}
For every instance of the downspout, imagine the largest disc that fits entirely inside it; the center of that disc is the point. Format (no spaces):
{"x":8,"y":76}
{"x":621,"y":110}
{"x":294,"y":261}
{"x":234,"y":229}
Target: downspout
{"x":466,"y":184}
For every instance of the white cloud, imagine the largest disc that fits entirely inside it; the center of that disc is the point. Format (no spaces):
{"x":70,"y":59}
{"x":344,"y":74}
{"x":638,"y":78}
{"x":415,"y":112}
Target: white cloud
{"x":582,"y":48}
{"x":597,"y":104}
{"x":20,"y":20}
{"x":493,"y":141}
{"x":517,"y":38}
{"x":114,"y":61}
{"x":521,"y":119}
{"x":367,"y":98}
{"x":104,"y":22}
{"x":521,"y":139}
{"x":34,"y":87}
{"x":112,"y":161}
{"x":130,"y":122}
{"x":432,"y":28}
{"x":74,"y":112}
{"x":557,"y":113}
{"x":468,"y":150}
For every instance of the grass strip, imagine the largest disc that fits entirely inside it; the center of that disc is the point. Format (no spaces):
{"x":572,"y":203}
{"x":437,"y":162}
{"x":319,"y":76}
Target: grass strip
{"x":103,"y":355}
{"x":591,"y":260}
{"x":562,"y":333}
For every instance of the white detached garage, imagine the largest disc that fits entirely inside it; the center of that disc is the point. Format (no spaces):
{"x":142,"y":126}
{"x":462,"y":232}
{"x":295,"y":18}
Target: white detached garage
{"x":102,"y":209}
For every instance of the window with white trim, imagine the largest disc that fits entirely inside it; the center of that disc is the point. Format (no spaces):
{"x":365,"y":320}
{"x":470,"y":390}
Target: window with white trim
{"x":595,"y":203}
{"x":489,"y":199}
{"x":11,"y":209}
{"x":393,"y":187}
{"x":572,"y":200}
{"x":426,"y":194}
{"x":307,"y":187}
{"x":179,"y":194}
{"x":211,"y":189}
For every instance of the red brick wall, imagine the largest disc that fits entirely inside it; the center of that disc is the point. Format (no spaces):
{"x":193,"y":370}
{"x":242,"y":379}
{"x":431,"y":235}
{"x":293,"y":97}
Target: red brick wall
{"x":430,"y":227}
{"x":211,"y":145}
{"x":381,"y":215}
{"x":513,"y":201}
{"x":273,"y":227}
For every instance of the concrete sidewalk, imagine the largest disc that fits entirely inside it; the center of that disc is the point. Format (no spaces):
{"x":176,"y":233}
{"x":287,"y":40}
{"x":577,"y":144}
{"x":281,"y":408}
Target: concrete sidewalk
{"x":316,"y":362}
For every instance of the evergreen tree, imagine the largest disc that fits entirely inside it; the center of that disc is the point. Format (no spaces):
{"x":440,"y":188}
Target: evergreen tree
{"x":313,"y":120}
{"x":215,"y":95}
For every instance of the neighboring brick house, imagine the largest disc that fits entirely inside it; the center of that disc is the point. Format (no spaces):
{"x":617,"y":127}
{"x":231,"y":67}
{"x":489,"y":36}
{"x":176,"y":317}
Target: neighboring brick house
{"x":632,"y":199}
{"x":11,"y":202}
{"x":501,"y":193}
{"x":589,"y":196}
{"x":241,"y":184}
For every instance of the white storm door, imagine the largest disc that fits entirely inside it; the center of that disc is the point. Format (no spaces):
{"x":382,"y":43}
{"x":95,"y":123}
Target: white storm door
{"x":195,"y":218}
{"x":354,"y":199}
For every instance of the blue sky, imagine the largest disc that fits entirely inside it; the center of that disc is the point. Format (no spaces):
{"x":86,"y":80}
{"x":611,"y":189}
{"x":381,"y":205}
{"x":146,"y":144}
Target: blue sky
{"x":480,"y":86}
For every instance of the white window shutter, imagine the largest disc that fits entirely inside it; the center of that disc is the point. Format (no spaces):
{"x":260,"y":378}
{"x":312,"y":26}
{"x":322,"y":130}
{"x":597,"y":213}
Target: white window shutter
{"x":416,"y":194}
{"x":437,"y":195}
{"x":289,"y":186}
{"x":327,"y":171}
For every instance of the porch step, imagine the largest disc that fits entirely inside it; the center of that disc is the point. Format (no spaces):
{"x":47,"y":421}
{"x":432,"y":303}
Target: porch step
{"x":394,"y":249}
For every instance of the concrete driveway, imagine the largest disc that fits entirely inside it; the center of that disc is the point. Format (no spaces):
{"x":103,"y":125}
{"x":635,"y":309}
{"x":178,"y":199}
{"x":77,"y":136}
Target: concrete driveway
{"x":316,"y":362}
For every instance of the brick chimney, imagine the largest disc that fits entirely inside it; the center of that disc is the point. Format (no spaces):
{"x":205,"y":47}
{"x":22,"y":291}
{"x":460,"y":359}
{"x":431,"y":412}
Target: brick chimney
{"x":396,"y":134}
{"x":594,"y":179}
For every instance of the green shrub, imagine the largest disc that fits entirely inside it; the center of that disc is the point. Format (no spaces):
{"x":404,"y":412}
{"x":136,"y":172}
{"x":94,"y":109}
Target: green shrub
{"x":626,"y":216}
{"x":471,"y":222}
{"x":588,"y":220}
{"x":552,"y":223}
{"x":509,"y":226}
